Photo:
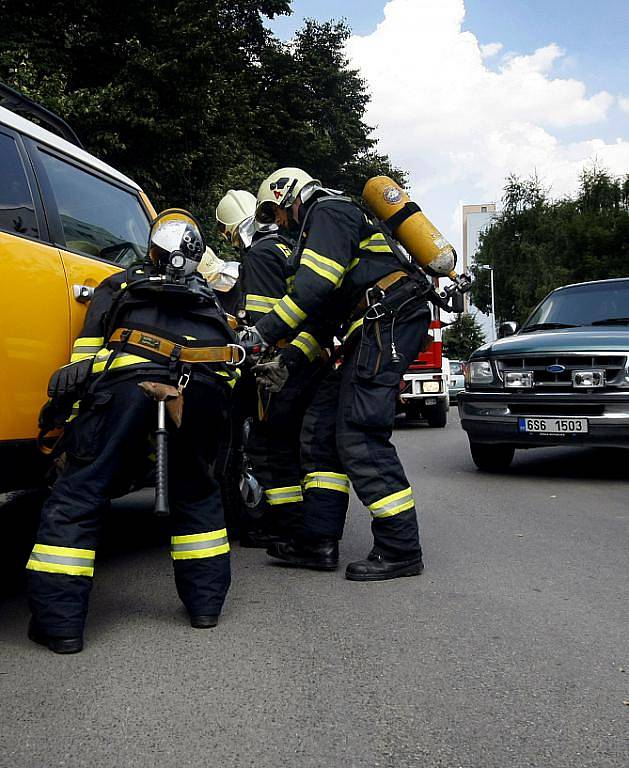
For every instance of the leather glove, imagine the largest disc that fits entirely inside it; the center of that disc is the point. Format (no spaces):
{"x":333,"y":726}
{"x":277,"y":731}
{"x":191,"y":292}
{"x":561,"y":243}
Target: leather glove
{"x":251,"y":340}
{"x":70,"y":380}
{"x":272,"y":375}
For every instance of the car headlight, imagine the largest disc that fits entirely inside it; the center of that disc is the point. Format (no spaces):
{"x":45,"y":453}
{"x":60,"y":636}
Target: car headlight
{"x":431,"y":387}
{"x":479,"y":372}
{"x":518,"y":379}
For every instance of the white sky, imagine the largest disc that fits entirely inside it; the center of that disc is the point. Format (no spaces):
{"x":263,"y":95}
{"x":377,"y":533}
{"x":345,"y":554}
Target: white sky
{"x":461,"y":114}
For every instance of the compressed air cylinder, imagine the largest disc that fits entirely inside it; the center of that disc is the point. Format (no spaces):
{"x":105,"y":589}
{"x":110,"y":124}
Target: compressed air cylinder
{"x":391,"y":204}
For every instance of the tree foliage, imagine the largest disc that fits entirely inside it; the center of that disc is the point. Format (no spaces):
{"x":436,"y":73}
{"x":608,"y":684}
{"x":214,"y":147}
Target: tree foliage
{"x":191,"y":97}
{"x":462,"y":337}
{"x":536,"y":244}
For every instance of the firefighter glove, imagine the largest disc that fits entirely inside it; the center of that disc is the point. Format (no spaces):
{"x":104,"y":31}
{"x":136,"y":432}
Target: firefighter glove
{"x":272,"y":375}
{"x":70,"y":380}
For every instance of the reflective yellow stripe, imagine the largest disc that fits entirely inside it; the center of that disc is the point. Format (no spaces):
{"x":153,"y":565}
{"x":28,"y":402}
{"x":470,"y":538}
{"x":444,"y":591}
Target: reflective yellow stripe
{"x":75,"y":357}
{"x":331,"y":270}
{"x":376,"y":242}
{"x":288,"y":494}
{"x":289,"y":312}
{"x":120,"y":361}
{"x":307,"y":343}
{"x":393,"y":504}
{"x":193,"y":546}
{"x":89,"y":341}
{"x":330,"y":481}
{"x":71,"y":561}
{"x":261,"y":304}
{"x":353,"y":327}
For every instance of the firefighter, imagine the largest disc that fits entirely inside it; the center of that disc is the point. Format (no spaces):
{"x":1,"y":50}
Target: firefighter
{"x":158,"y":322}
{"x":273,"y":442}
{"x":345,"y":264}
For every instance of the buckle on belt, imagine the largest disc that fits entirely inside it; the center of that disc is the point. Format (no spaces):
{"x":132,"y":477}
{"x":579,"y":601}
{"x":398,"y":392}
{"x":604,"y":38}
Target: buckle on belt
{"x":235,"y":363}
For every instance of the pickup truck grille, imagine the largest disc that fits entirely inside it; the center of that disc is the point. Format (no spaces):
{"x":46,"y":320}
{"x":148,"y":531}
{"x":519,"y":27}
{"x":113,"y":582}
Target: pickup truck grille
{"x":544,"y":380}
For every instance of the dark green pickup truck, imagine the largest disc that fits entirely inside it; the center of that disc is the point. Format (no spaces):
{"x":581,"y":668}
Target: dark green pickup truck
{"x":562,"y":379}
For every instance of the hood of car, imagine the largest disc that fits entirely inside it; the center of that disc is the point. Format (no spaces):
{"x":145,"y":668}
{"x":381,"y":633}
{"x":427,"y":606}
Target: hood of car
{"x":586,"y":339}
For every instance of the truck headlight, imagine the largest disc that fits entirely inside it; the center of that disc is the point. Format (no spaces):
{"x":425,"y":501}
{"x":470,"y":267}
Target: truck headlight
{"x":588,"y":379}
{"x":518,"y":379}
{"x":479,"y":372}
{"x":431,"y":387}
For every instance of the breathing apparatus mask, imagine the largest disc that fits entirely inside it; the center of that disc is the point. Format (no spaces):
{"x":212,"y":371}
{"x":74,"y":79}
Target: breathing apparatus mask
{"x":176,"y":243}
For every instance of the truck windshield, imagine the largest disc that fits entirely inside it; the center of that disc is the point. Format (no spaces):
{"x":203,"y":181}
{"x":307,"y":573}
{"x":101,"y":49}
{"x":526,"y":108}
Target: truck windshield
{"x":594,"y":304}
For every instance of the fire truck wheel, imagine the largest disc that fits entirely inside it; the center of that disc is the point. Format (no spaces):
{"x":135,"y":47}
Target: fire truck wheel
{"x":437,"y":415}
{"x":492,"y":458}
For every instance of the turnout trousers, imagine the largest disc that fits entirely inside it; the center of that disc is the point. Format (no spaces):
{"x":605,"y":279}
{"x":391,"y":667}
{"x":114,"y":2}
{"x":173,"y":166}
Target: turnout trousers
{"x":105,"y":442}
{"x":274,"y":448}
{"x":346,"y":436}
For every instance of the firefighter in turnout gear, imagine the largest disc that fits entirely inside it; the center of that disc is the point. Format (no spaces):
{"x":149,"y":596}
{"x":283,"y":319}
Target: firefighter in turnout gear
{"x":273,"y":444}
{"x":345,"y":264}
{"x":158,"y":322}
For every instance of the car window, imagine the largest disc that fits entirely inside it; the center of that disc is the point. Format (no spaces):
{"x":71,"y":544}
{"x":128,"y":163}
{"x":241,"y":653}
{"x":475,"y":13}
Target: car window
{"x":98,"y":218}
{"x":456,"y":369}
{"x":583,"y":305}
{"x":17,"y":211}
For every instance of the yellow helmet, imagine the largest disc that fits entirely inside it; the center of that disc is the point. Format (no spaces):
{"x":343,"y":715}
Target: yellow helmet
{"x":235,"y":206}
{"x":280,"y":190}
{"x":175,"y":236}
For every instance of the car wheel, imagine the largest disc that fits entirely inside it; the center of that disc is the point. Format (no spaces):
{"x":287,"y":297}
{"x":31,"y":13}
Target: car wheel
{"x":492,"y":458}
{"x":437,"y":415}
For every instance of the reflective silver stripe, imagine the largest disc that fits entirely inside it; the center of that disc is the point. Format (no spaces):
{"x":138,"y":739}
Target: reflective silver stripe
{"x":331,"y":273}
{"x":191,"y":546}
{"x":40,"y":557}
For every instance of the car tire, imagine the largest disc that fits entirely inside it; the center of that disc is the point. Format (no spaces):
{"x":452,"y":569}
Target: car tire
{"x":492,"y":458}
{"x":437,"y":415}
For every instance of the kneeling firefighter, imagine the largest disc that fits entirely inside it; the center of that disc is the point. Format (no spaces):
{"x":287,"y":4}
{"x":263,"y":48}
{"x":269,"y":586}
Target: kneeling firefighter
{"x":378,"y":301}
{"x":273,"y":442}
{"x":160,"y":322}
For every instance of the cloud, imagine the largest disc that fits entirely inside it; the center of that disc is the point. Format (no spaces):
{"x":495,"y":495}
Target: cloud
{"x":490,"y":49}
{"x":460,"y":127}
{"x":623,"y":103}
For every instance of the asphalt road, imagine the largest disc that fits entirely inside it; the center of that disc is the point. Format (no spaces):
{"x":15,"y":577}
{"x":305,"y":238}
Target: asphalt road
{"x":512,"y":649}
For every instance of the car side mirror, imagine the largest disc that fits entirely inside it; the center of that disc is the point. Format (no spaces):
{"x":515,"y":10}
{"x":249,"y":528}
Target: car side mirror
{"x":507,"y":329}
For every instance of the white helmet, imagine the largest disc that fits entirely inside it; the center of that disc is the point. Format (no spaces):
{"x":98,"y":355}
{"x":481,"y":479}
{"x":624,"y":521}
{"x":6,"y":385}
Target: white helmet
{"x":280,"y":189}
{"x":235,"y":206}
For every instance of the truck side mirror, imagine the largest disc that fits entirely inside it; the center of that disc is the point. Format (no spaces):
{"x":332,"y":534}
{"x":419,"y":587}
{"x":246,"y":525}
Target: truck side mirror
{"x":507,"y":329}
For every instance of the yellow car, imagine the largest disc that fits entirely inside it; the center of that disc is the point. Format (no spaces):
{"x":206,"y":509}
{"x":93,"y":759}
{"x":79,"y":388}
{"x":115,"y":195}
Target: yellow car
{"x":67,"y":221}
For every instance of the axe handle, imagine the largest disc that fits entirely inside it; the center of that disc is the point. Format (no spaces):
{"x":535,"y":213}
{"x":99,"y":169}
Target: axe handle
{"x":161,"y":473}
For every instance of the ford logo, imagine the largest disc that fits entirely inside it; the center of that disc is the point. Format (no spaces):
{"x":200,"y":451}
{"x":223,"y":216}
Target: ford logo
{"x":556,"y":368}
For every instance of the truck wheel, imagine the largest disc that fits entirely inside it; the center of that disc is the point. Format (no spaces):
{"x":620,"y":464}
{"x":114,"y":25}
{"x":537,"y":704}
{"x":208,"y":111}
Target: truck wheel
{"x":437,"y":415}
{"x":492,"y":458}
{"x":413,"y":412}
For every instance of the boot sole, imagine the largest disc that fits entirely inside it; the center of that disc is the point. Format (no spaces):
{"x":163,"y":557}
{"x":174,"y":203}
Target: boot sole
{"x":310,"y":564}
{"x":409,"y":570}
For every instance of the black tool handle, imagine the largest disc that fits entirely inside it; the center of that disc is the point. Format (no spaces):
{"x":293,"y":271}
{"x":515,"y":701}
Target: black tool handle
{"x":161,"y":453}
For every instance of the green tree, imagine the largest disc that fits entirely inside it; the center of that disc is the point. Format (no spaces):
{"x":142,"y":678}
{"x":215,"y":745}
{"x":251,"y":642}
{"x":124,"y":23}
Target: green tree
{"x":537,"y":244}
{"x":462,"y":337}
{"x":192,"y":97}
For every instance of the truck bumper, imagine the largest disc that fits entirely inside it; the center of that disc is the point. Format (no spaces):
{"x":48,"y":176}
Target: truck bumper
{"x":492,"y":417}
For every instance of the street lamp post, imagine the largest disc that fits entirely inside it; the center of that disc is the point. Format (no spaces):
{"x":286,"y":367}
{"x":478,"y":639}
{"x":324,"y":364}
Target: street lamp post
{"x":493,"y":299}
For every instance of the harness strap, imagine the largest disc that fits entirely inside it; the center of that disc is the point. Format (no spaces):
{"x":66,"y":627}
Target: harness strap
{"x":157,"y":345}
{"x":384,"y":284}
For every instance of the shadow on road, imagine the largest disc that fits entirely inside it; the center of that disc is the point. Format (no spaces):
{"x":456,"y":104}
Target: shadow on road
{"x":129,"y":526}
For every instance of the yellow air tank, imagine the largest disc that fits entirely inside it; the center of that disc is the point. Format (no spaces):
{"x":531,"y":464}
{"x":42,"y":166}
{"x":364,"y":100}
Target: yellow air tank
{"x":391,"y":204}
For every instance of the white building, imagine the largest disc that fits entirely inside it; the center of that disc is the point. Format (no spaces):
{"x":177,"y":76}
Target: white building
{"x":477,"y":218}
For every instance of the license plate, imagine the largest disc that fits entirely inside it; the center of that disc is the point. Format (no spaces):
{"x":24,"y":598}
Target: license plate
{"x":553,"y":425}
{"x":430,"y":401}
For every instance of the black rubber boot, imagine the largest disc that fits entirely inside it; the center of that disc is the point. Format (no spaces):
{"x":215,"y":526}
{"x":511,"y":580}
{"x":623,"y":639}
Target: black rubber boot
{"x":54,"y":643}
{"x":377,"y":568}
{"x":204,"y":622}
{"x":322,"y":555}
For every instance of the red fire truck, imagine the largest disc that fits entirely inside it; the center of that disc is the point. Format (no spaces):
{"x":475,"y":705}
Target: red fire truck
{"x":424,"y":387}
